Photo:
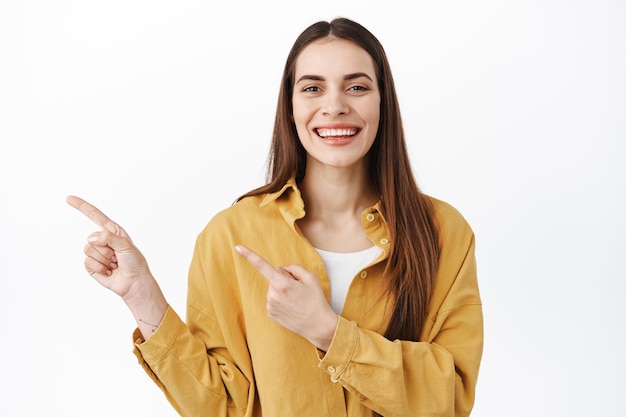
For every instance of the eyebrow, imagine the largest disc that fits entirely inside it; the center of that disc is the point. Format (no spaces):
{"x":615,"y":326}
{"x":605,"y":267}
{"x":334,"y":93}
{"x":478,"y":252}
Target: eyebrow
{"x":346,"y":77}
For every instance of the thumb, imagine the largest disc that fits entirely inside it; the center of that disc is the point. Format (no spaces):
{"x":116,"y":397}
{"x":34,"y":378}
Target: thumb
{"x":111,"y":239}
{"x":299,"y":273}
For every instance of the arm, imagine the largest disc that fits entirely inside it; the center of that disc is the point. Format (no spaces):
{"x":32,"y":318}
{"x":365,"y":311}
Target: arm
{"x":203,"y":366}
{"x":196,"y":379}
{"x":435,"y":376}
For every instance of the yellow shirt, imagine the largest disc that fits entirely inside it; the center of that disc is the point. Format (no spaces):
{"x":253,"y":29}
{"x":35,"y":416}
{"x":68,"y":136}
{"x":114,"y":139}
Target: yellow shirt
{"x":230,"y":359}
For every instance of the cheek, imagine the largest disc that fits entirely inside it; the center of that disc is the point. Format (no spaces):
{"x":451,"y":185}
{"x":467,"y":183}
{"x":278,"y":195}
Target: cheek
{"x":300,"y":117}
{"x":373,"y":119}
{"x":370,"y":112}
{"x":300,"y":124}
{"x":376,"y":117}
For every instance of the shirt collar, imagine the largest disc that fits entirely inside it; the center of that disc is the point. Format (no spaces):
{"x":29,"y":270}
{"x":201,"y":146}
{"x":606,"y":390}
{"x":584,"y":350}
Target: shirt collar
{"x":291,"y":205}
{"x":291,"y":184}
{"x":288,"y":200}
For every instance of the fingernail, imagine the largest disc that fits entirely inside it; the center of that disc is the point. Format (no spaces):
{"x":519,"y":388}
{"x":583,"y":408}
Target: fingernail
{"x":239,"y":249}
{"x":114,"y":258}
{"x":113,"y":265}
{"x":92,"y":238}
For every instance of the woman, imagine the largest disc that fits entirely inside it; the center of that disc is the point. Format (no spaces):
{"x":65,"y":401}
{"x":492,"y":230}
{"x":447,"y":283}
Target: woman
{"x":338,"y":288}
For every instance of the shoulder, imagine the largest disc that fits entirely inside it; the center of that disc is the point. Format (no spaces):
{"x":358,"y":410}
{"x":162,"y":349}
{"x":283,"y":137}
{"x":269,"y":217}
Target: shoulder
{"x":456,"y":237}
{"x":448,"y":219}
{"x":246,"y":210}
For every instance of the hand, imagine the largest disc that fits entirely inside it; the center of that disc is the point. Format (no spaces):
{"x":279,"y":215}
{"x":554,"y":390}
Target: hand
{"x":118,"y":265}
{"x":295,"y":300}
{"x":112,"y":259}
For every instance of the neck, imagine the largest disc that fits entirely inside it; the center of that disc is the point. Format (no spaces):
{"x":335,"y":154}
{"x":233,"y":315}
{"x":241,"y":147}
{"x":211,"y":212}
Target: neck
{"x":336,"y":192}
{"x":334,"y":199}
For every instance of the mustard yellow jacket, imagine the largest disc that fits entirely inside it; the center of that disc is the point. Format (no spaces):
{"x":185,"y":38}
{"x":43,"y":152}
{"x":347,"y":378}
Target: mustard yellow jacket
{"x":230,"y":359}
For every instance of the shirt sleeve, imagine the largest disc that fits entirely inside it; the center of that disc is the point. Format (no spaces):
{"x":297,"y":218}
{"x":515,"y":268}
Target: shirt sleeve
{"x":190,"y":362}
{"x":434,"y":377}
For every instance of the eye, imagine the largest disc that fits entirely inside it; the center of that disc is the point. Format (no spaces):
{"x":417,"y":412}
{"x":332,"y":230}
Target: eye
{"x":311,"y":89}
{"x":358,"y":90}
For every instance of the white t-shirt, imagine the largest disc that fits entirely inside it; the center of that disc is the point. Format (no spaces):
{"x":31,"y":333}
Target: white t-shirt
{"x":341,"y":269}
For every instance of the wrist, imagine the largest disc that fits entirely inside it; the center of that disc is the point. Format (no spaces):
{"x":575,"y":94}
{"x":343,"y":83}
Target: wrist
{"x":324,"y":336}
{"x":142,"y":291}
{"x":147,"y":304}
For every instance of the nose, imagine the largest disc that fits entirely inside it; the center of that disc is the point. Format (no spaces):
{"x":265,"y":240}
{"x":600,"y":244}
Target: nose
{"x":335,"y":104}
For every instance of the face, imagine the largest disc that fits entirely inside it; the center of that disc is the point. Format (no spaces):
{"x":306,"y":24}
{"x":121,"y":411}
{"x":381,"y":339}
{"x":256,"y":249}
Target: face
{"x":336,"y":103}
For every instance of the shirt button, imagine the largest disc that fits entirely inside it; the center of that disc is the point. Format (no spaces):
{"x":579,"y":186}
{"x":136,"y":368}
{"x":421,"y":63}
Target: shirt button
{"x":363,"y":274}
{"x":384,"y":241}
{"x":331,"y":369}
{"x":370,"y":217}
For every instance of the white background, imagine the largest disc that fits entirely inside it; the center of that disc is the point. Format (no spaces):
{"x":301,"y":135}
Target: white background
{"x":161,"y":113}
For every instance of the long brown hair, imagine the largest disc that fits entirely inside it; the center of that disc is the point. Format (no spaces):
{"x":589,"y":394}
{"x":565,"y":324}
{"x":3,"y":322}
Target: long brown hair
{"x":414,"y":254}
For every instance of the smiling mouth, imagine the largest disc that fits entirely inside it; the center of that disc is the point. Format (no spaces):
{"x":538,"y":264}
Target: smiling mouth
{"x":336,"y":133}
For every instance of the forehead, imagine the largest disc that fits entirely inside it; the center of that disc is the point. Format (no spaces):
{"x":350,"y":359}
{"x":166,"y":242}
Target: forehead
{"x":333,"y":56}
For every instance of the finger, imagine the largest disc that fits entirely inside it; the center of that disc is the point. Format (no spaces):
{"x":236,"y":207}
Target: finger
{"x":115,"y":242}
{"x":273,"y":275}
{"x":297,"y":272}
{"x":95,"y":215}
{"x":104,"y":255}
{"x":95,"y":268}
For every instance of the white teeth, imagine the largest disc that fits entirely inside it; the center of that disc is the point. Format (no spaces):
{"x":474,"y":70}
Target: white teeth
{"x":336,"y":132}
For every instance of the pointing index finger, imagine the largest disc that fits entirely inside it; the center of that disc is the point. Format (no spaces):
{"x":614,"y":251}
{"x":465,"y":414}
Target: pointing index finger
{"x":264,"y":267}
{"x":95,"y":215}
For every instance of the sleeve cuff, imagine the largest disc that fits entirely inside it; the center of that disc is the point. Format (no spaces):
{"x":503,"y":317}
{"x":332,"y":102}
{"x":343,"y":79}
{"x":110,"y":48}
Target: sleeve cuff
{"x":161,"y":340}
{"x":341,"y":349}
